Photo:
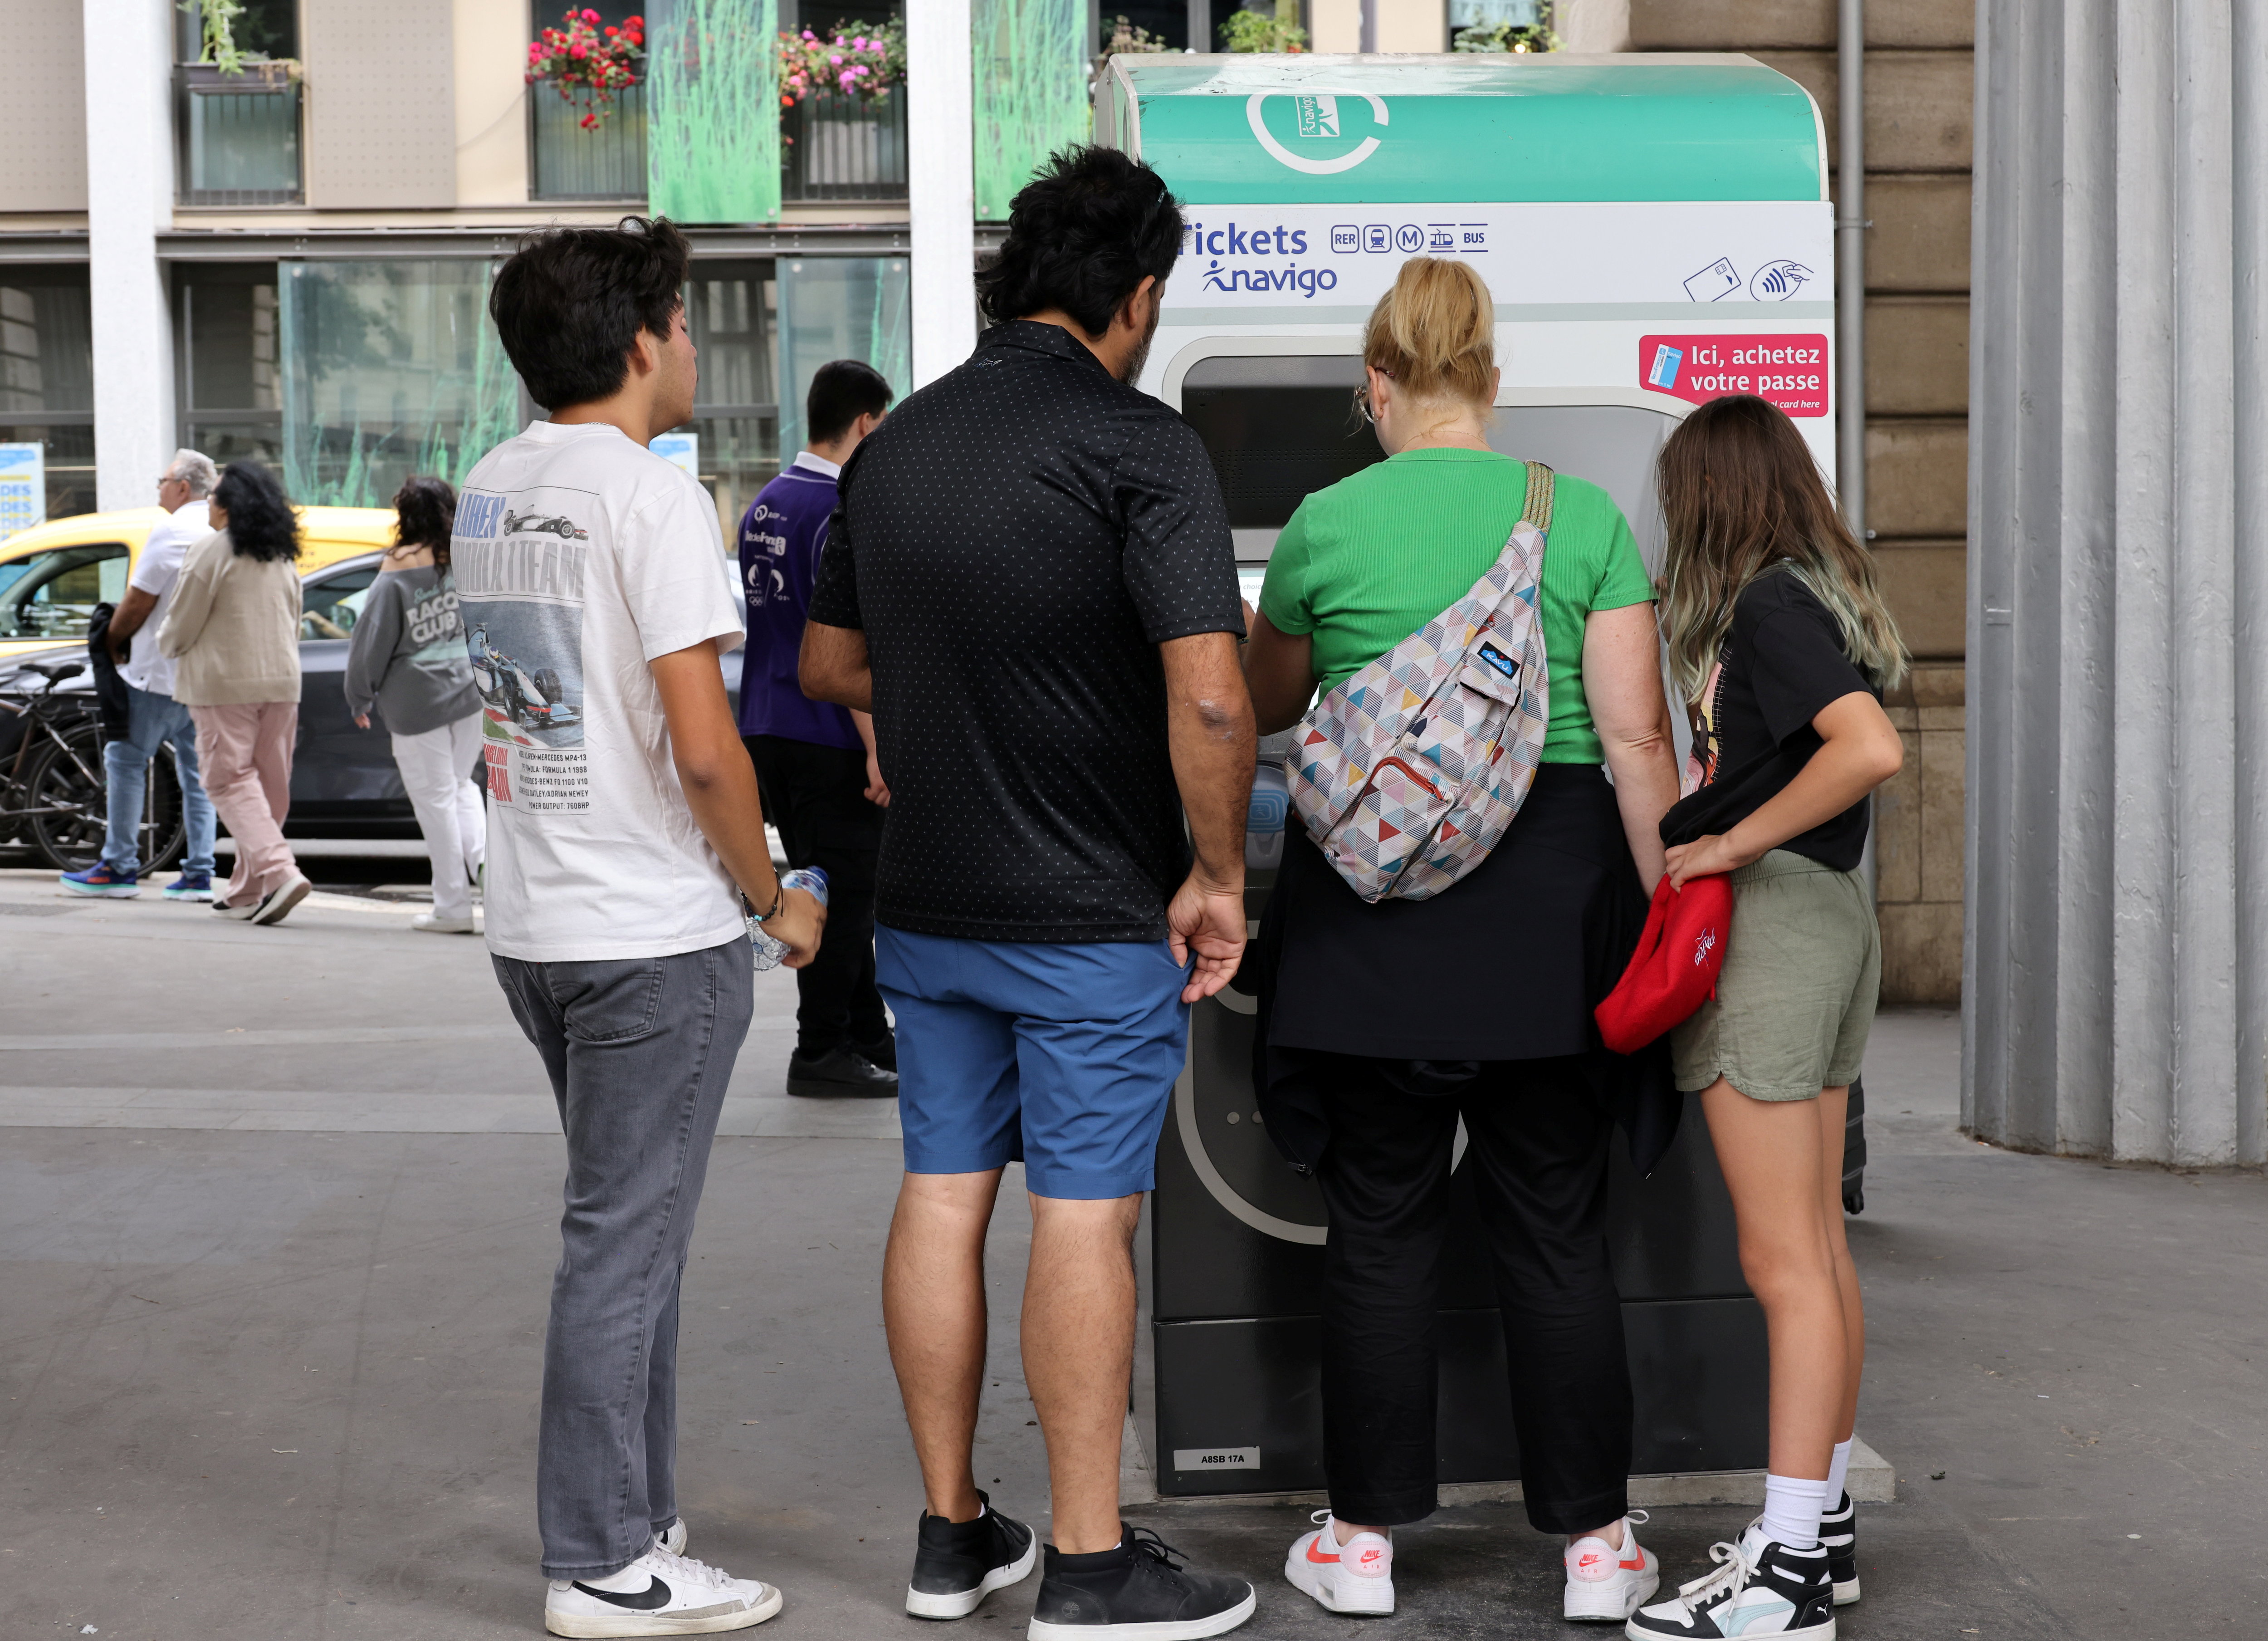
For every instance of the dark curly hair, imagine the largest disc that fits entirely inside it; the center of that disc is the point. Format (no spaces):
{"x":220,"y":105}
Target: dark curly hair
{"x":569,"y":303}
{"x":261,"y":523}
{"x":424,"y":513}
{"x":1082,"y":235}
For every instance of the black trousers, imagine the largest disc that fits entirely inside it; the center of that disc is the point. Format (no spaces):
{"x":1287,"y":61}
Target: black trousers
{"x":1538,"y":1140}
{"x":816,"y":797}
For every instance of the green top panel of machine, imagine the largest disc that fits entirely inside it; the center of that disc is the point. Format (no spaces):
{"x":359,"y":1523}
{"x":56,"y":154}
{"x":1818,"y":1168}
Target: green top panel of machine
{"x":1499,"y":127}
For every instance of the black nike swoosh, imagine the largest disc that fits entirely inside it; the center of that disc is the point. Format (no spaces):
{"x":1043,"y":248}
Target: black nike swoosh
{"x":654,"y":1595}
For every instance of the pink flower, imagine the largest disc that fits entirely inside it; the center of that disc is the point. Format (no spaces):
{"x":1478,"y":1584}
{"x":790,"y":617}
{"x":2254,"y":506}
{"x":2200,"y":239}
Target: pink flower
{"x":590,"y":17}
{"x":578,"y":49}
{"x":836,"y":61}
{"x":859,"y":44}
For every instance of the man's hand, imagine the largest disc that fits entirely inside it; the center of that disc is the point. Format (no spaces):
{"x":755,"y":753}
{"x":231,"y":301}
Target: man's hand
{"x":800,"y":921}
{"x":1207,"y":918}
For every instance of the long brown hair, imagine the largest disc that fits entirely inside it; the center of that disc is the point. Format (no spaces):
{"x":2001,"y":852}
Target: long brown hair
{"x":1742,"y":497}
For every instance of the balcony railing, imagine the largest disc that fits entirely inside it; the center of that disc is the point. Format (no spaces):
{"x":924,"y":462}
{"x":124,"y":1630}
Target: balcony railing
{"x":837,"y":147}
{"x":571,"y":163}
{"x":239,"y":135}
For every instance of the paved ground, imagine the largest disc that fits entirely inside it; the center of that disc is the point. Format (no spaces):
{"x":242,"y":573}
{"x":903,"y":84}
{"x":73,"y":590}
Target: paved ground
{"x":277,"y":1214}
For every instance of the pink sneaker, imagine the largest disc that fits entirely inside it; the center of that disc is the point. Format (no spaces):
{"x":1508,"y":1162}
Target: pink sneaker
{"x":1356,"y":1576}
{"x":1606,"y":1585}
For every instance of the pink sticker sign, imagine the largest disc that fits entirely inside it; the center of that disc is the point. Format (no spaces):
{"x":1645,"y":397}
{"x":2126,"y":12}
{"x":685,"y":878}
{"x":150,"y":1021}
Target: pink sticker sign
{"x":1790,"y":371}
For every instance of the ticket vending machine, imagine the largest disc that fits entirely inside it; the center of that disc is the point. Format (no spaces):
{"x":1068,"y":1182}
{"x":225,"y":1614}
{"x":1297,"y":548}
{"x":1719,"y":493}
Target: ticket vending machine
{"x":1655,"y":232}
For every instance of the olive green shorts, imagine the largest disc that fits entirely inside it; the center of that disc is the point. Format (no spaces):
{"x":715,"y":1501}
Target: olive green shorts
{"x":1803,"y":965}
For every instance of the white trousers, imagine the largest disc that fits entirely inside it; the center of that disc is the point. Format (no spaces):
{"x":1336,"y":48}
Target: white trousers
{"x":437,"y":771}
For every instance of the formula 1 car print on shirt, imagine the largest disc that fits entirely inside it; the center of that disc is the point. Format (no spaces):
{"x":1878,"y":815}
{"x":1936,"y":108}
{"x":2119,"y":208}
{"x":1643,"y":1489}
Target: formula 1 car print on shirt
{"x":520,"y":590}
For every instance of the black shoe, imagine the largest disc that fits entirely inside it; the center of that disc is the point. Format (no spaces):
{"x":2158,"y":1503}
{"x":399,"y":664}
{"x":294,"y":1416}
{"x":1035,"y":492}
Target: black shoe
{"x":883,"y":1051}
{"x":1136,"y":1590}
{"x":958,"y":1563}
{"x":1778,"y":1591}
{"x":837,"y":1073}
{"x":1839,"y":1533}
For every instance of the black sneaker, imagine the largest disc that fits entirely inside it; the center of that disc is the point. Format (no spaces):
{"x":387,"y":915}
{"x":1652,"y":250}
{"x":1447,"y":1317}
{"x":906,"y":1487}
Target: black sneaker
{"x":1776,"y":1592}
{"x":837,"y":1073}
{"x":1138,"y":1589}
{"x":958,"y":1563}
{"x":883,"y":1051}
{"x":1838,"y":1536}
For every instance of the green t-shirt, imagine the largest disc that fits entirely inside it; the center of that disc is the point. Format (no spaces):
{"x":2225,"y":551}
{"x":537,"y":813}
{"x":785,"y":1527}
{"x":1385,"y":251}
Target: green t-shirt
{"x":1368,"y":562}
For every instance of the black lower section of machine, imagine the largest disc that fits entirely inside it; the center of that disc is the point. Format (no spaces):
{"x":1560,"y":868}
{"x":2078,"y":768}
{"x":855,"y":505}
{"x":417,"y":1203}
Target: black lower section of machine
{"x":1226,"y":1392}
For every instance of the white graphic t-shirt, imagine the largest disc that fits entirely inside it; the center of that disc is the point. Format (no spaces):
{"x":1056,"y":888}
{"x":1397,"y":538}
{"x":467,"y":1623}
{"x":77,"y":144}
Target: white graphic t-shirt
{"x":579,"y":557}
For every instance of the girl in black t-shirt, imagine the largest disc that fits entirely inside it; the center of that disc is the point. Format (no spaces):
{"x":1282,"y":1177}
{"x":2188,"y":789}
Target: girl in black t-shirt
{"x":1780,"y":642}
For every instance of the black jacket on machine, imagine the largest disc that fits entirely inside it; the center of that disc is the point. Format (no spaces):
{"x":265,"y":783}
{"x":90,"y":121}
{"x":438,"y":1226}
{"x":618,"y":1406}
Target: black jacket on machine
{"x":109,"y":689}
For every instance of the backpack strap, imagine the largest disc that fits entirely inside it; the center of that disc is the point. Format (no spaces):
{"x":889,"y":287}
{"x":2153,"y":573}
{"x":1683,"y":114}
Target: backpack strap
{"x":1538,"y":508}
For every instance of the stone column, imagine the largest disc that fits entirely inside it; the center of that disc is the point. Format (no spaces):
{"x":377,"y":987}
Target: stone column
{"x":2116,"y":955}
{"x":130,"y":167}
{"x":941,"y":184}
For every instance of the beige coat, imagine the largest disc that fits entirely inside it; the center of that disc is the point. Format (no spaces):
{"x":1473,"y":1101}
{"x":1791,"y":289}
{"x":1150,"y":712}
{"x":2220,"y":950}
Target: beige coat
{"x":232,"y":627}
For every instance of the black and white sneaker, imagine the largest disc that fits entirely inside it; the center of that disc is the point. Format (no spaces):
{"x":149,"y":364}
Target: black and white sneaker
{"x":1838,"y":1536}
{"x":958,"y":1563}
{"x":1136,"y":1590}
{"x":674,"y":1537}
{"x":679,"y":1597}
{"x":1776,"y":1591}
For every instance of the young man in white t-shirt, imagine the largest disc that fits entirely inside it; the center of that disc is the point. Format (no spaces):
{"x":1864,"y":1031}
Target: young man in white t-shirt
{"x":626,"y":829}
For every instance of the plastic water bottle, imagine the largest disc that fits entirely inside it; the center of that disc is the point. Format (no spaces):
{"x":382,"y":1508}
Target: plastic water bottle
{"x":769,"y":951}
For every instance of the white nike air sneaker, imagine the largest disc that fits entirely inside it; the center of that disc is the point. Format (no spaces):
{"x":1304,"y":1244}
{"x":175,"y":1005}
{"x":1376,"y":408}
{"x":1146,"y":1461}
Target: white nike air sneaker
{"x":1606,"y":1585}
{"x":1356,"y":1576}
{"x":679,"y":1597}
{"x":1757,"y":1590}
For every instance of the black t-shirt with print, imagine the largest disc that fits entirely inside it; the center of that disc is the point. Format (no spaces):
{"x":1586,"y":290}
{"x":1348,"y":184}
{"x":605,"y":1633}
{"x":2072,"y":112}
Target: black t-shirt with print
{"x":1016,"y":540}
{"x":1782,"y":664}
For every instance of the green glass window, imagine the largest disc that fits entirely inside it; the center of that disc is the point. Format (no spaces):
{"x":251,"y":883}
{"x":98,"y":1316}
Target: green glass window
{"x":839,"y":307}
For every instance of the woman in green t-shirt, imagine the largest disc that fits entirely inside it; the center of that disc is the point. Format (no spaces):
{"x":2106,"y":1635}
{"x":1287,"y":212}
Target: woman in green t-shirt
{"x":1380,"y":1026}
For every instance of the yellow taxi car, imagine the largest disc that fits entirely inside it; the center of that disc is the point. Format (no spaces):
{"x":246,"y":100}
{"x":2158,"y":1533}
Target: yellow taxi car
{"x":53,"y":574}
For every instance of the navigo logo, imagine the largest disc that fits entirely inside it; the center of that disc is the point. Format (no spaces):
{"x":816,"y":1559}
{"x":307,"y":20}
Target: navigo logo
{"x":1317,"y":117}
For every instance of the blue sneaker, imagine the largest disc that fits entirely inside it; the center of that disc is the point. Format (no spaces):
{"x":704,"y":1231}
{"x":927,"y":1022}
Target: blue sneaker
{"x":189,"y":886}
{"x":100,"y":880}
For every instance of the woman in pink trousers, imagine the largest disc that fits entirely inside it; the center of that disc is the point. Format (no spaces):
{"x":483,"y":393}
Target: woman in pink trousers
{"x":233,"y":629}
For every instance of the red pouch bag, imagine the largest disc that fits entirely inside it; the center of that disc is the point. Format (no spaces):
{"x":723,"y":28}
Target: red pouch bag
{"x":1674,"y":969}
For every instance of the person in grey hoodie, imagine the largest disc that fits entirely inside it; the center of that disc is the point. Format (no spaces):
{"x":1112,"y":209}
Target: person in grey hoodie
{"x":407,"y":659}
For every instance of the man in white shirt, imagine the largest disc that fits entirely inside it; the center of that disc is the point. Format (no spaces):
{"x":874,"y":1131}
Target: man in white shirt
{"x":153,"y":717}
{"x":626,"y":834}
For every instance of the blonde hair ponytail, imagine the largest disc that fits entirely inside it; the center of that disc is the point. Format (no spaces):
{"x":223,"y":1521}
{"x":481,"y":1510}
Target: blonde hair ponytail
{"x":1434,"y":333}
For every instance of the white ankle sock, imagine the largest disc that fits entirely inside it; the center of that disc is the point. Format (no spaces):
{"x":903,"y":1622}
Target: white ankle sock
{"x":1793,"y":1506}
{"x":1838,"y":1473}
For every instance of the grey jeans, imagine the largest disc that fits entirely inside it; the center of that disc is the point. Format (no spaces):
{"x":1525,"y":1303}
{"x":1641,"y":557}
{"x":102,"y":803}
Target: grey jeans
{"x":639,"y":1051}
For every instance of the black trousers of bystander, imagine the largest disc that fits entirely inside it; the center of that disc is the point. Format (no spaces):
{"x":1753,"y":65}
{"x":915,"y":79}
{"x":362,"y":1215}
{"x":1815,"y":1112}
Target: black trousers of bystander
{"x":1538,"y":1138}
{"x":816,"y":796}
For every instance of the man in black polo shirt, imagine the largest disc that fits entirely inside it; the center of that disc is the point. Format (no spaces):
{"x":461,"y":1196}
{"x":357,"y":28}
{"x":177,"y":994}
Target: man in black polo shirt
{"x":1030,"y":584}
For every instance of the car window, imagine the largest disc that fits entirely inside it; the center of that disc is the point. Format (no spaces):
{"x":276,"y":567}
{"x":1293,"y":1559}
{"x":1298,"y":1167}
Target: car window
{"x":331,"y":604}
{"x":53,"y":594}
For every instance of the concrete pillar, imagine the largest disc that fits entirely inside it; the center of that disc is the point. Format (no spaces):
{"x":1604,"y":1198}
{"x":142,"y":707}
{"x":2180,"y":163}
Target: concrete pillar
{"x":130,"y":167}
{"x":941,"y":181}
{"x":2116,"y":961}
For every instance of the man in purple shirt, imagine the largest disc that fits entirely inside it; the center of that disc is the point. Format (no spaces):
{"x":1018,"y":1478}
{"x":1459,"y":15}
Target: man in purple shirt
{"x":814,"y":761}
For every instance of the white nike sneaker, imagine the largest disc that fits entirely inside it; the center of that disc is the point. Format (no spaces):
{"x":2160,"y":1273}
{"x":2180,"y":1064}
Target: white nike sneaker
{"x":675,"y":1540}
{"x":1607,"y":1584}
{"x":681,"y":1597}
{"x":1356,"y":1576}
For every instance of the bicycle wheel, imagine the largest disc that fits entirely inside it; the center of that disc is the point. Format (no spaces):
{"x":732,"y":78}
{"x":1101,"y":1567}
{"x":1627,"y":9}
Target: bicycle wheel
{"x":63,"y":792}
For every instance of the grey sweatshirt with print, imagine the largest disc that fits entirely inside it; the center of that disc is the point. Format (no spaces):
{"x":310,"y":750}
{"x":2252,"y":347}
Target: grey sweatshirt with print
{"x":407,"y":654}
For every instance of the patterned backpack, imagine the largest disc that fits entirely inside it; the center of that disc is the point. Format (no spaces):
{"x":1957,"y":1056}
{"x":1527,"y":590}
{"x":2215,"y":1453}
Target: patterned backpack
{"x":1410,"y":773}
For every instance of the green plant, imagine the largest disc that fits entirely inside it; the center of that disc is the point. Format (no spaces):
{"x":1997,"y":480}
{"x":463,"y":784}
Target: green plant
{"x":857,"y":59}
{"x":587,"y":65}
{"x":712,"y":112}
{"x":1507,"y":37}
{"x":216,"y":21}
{"x":1030,"y":67}
{"x":1128,"y":39}
{"x":1261,"y":31}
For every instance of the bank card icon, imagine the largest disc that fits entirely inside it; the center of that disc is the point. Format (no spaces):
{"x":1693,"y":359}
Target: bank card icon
{"x":1662,"y":372}
{"x":1378,"y":237}
{"x":1346,"y":238}
{"x":1719,"y":279}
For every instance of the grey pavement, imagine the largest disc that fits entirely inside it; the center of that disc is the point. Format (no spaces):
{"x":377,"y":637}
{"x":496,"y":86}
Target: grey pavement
{"x":276,"y":1225}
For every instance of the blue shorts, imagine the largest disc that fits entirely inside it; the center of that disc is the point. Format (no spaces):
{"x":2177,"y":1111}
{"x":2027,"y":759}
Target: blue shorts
{"x":1062,"y":1057}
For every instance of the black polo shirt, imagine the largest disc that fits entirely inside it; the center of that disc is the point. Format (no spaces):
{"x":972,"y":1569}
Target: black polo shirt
{"x":1017,"y":539}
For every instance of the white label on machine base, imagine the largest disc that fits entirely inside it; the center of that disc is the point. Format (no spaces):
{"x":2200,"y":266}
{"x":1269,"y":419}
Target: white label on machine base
{"x":1187,"y":1459}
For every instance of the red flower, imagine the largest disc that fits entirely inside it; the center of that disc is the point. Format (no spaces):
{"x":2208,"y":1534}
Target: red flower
{"x":590,"y":17}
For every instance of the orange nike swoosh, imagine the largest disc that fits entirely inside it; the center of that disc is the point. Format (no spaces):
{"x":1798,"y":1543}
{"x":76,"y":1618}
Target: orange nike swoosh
{"x":1315,"y":1555}
{"x":1633,"y":1566}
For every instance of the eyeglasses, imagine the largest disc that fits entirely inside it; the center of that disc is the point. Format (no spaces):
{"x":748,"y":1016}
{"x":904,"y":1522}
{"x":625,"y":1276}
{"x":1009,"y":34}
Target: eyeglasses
{"x":1362,"y":396}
